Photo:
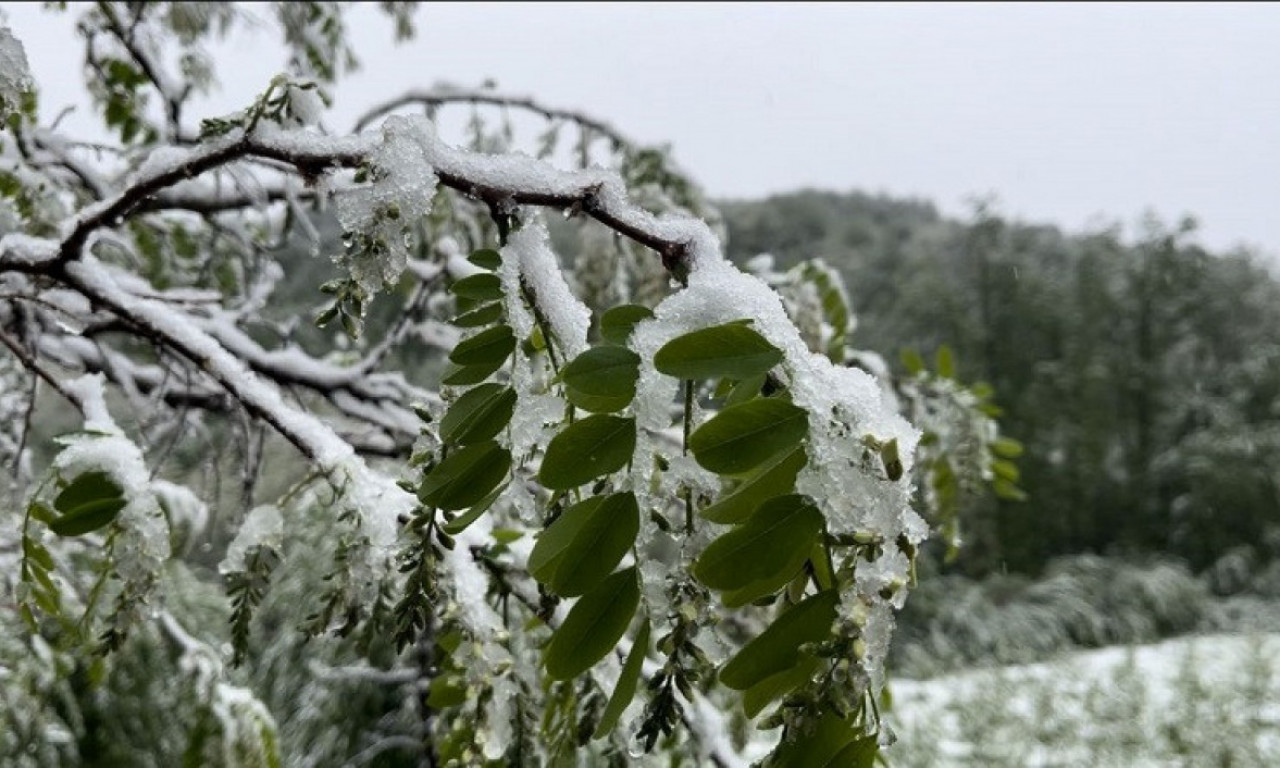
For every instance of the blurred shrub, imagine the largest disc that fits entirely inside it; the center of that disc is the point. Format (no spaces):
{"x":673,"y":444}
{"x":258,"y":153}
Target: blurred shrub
{"x":1082,"y":601}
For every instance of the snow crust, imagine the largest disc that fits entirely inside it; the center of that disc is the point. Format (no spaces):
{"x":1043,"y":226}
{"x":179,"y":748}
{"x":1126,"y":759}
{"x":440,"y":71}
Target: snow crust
{"x":262,"y":527}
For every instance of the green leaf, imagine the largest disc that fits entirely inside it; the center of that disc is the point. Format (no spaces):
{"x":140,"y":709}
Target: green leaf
{"x":778,"y":647}
{"x":1006,"y":447}
{"x":593,"y":627}
{"x":602,"y":379}
{"x":593,"y":404}
{"x":478,"y":415}
{"x":742,"y":437}
{"x":625,"y":689}
{"x":88,"y":503}
{"x":41,"y":511}
{"x":482,"y":315}
{"x":587,"y":449}
{"x":773,"y":687}
{"x":911,"y":360}
{"x":770,"y":547}
{"x":1007,"y":470}
{"x":821,"y":564}
{"x":598,"y":545}
{"x":506,"y":535}
{"x":859,"y":753}
{"x":464,"y":521}
{"x":946,"y":362}
{"x":616,"y":324}
{"x":746,"y":389}
{"x":731,"y":350}
{"x":892,"y":460}
{"x":603,"y":372}
{"x":484,"y":286}
{"x":1007,"y":490}
{"x":548,"y":550}
{"x":465,"y":476}
{"x":463,"y":375}
{"x":819,"y":748}
{"x":35,"y":552}
{"x":486,"y":258}
{"x":487,"y":347}
{"x":446,"y":691}
{"x":772,"y":479}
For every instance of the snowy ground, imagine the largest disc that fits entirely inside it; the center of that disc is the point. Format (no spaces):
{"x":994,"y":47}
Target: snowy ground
{"x":1209,"y":700}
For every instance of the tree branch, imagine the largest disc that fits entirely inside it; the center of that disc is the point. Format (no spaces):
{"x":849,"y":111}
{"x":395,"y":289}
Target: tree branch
{"x":30,"y":363}
{"x":444,"y":94}
{"x":500,"y":181}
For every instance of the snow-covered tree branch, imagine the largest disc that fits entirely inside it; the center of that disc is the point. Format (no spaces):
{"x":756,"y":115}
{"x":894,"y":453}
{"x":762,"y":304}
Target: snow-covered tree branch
{"x":653,"y":505}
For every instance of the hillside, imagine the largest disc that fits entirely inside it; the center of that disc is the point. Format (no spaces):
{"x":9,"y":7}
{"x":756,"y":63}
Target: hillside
{"x":1144,"y":378}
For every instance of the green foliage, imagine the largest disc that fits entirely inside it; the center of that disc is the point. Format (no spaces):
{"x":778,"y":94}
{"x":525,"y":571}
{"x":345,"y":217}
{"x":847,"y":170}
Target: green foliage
{"x":772,"y":479}
{"x":617,"y":323}
{"x":628,"y":681}
{"x":433,"y":639}
{"x":88,"y":503}
{"x":594,"y":625}
{"x":246,"y":589}
{"x":480,"y":287}
{"x":466,"y":476}
{"x":479,"y":414}
{"x":743,"y":437}
{"x":602,"y":379}
{"x":763,"y":554}
{"x":587,"y":449}
{"x":778,"y":648}
{"x":491,"y":346}
{"x":832,"y":743}
{"x":601,"y":534}
{"x":724,"y":351}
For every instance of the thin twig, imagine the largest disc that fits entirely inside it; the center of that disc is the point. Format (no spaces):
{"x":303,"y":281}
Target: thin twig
{"x":33,"y":365}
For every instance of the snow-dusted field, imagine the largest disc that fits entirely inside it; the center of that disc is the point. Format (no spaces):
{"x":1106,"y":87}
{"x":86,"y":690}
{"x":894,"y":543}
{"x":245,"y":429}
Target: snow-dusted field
{"x":1202,"y":701}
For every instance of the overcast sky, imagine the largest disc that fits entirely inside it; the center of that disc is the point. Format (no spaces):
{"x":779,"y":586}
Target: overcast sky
{"x":1070,"y":114}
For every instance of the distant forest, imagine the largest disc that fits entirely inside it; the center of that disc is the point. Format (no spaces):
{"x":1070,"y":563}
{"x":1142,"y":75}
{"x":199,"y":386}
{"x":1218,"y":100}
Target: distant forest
{"x":1142,"y":377}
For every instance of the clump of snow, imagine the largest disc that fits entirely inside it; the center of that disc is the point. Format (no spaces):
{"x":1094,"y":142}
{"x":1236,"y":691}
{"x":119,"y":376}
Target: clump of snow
{"x":21,"y":249}
{"x":380,"y":214}
{"x":528,"y":262}
{"x":540,"y":272}
{"x":306,"y":104}
{"x":15,"y":73}
{"x":262,"y":527}
{"x":104,"y":447}
{"x":161,"y":160}
{"x":455,"y":261}
{"x":184,"y":510}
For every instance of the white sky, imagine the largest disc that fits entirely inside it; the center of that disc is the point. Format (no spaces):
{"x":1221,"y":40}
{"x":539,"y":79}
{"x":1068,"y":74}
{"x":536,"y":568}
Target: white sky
{"x":1070,"y":114}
